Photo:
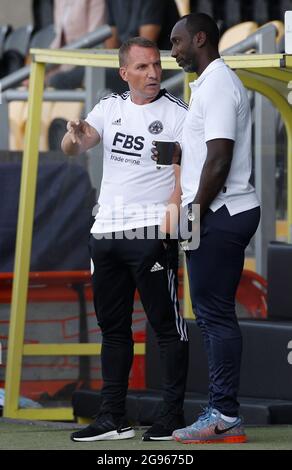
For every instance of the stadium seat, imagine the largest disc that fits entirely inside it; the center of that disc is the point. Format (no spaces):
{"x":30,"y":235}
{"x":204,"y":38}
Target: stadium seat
{"x":15,"y":50}
{"x":5,"y":29}
{"x":50,"y":286}
{"x":43,"y":37}
{"x":51,"y":111}
{"x":18,"y":40}
{"x":252,"y":294}
{"x":236,"y":34}
{"x":279,"y":296}
{"x":279,"y":27}
{"x":61,"y":113}
{"x":63,"y":212}
{"x":47,"y":108}
{"x":16,"y":113}
{"x":11,"y":61}
{"x":66,"y":110}
{"x":57,"y":286}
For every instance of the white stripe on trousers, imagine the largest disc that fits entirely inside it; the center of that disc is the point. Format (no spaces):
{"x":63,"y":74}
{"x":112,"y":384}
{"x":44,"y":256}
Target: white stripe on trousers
{"x":181,"y":325}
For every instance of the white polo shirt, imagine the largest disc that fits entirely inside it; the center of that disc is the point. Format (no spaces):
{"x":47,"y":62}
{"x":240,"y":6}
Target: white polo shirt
{"x":219,"y":109}
{"x":134,"y":193}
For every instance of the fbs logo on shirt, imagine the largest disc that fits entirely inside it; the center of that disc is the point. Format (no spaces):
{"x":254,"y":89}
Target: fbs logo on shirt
{"x":129,"y":142}
{"x":127,"y":148}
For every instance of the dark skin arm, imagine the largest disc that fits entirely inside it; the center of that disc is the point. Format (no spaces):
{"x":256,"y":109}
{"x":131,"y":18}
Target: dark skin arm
{"x":113,"y":42}
{"x":150,"y":31}
{"x":214,"y":173}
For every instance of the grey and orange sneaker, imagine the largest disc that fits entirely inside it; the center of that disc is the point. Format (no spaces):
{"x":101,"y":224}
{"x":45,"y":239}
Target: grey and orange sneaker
{"x":211,"y":428}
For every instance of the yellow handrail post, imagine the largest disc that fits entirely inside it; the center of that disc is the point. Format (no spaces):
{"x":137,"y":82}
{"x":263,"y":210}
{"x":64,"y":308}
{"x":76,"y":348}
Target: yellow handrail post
{"x":23,"y":241}
{"x":254,"y":82}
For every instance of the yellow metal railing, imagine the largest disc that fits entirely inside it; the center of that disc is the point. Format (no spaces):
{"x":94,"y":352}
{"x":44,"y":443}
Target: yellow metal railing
{"x":254,"y":70}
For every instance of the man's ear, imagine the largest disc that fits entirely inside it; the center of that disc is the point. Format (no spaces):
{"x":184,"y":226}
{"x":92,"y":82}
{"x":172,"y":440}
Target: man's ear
{"x":123,"y":73}
{"x":200,"y":38}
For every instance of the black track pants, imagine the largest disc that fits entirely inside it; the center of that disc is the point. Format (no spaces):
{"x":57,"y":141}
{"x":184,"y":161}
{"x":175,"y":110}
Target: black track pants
{"x":119,"y":266}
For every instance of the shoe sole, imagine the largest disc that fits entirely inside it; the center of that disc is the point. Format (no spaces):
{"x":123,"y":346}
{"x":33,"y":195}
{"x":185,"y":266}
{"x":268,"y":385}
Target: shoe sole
{"x":165,"y":438}
{"x":222,"y":440}
{"x":108,"y":436}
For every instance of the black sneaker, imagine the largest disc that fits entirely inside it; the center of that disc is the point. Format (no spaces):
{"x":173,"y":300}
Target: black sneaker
{"x":104,"y":428}
{"x":163,"y":428}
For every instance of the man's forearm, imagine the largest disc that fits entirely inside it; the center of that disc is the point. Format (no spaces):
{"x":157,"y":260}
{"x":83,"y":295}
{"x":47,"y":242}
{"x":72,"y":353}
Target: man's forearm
{"x":150,"y":31}
{"x":214,"y":173}
{"x":113,"y":42}
{"x":80,"y":137}
{"x":175,"y":197}
{"x":170,"y":220}
{"x":211,"y":183}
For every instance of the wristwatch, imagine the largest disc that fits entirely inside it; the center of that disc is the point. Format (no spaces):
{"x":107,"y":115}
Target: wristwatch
{"x":184,"y":244}
{"x":191,"y":215}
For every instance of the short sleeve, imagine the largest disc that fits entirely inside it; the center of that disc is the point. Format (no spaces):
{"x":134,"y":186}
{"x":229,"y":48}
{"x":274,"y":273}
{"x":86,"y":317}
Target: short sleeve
{"x":96,"y":118}
{"x":219,"y":108}
{"x":178,"y":128}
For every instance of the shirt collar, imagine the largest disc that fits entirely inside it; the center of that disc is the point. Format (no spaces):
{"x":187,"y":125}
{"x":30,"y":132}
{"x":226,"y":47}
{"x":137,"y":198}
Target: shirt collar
{"x":214,"y":65}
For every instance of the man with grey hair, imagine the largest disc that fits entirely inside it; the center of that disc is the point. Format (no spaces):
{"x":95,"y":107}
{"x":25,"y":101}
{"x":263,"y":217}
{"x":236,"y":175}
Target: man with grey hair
{"x":135,"y":199}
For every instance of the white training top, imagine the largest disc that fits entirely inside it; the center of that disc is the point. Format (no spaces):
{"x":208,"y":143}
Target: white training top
{"x":219,"y":109}
{"x":134,"y":193}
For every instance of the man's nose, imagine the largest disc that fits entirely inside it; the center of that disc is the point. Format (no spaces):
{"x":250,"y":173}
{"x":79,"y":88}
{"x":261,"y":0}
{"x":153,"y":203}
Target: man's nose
{"x":152,"y":71}
{"x":173,"y":52}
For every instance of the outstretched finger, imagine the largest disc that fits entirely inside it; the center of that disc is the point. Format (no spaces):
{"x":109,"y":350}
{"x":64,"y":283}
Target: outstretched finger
{"x":72,"y":126}
{"x":87,"y":131}
{"x":69,"y":126}
{"x":72,"y":137}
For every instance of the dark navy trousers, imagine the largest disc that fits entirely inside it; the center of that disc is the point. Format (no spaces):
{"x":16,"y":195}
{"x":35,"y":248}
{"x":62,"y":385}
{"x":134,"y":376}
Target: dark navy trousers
{"x":214,"y":271}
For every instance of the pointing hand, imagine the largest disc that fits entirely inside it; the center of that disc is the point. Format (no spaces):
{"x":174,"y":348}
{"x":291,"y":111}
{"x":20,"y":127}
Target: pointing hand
{"x":77,"y":130}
